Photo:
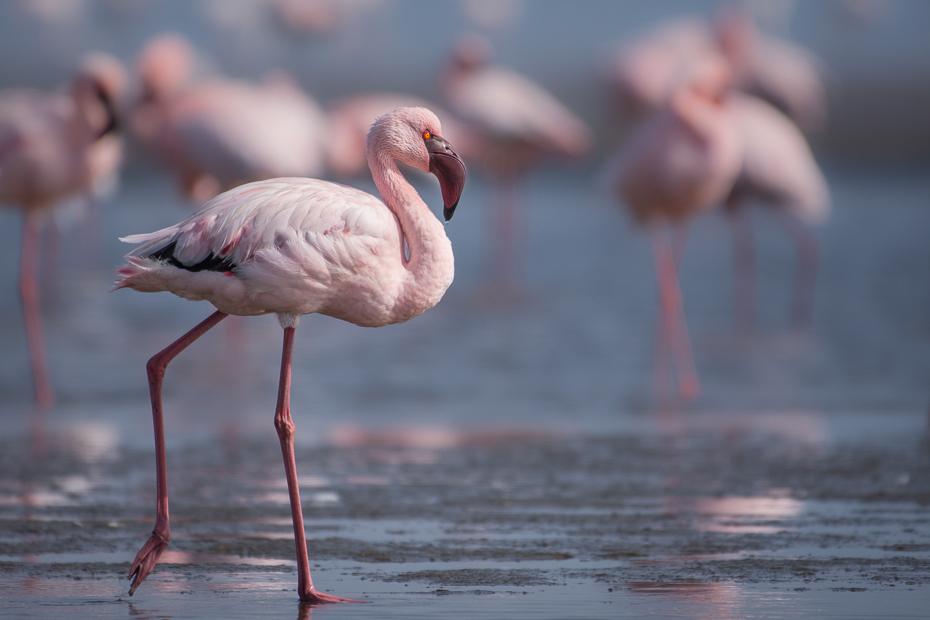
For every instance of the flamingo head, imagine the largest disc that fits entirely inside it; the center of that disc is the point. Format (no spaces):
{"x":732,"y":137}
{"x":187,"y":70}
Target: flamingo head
{"x":413,"y":136}
{"x":164,"y":66}
{"x":97,"y":88}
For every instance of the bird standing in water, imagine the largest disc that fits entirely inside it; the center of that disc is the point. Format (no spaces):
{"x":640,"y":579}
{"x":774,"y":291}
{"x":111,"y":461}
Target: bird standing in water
{"x":680,"y":161}
{"x":55,"y":146}
{"x":297,"y":246}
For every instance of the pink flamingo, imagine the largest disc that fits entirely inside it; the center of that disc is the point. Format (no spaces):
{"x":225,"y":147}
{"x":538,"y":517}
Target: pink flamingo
{"x":513,"y":124}
{"x":643,"y":73}
{"x":779,"y":170}
{"x":299,"y":246}
{"x":785,"y":74}
{"x":350,"y":118}
{"x":54,"y":146}
{"x":219,"y":133}
{"x":679,"y":162}
{"x":646,"y":71}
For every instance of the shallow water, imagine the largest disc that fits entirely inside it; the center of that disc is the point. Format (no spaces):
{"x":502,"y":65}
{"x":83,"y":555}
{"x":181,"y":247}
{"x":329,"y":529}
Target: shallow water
{"x":503,"y":454}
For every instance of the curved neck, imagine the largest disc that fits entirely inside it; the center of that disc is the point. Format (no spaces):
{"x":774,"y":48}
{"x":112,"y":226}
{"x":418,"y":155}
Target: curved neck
{"x":430,"y":262}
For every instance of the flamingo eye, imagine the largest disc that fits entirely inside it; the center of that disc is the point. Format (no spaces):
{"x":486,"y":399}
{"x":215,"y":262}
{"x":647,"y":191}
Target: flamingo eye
{"x":427,"y":135}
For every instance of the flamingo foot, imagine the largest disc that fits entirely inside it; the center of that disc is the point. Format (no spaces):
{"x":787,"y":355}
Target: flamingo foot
{"x":146,"y":559}
{"x":315,"y":597}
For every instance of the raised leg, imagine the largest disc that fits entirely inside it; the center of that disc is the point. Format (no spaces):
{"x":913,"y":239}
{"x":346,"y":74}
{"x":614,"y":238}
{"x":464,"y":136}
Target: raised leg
{"x":673,"y":315}
{"x":32,"y":312}
{"x":153,"y":548}
{"x":285,"y":427}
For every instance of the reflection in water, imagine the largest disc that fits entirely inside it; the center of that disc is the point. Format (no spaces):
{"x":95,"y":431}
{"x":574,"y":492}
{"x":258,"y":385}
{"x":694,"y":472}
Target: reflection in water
{"x":736,"y":515}
{"x":720,"y":601}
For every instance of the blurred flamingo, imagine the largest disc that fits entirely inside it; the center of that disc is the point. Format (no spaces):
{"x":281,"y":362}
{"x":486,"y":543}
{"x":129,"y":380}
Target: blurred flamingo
{"x":646,"y":71}
{"x":680,"y":161}
{"x":218,"y":133}
{"x":350,"y":118}
{"x":299,"y":246}
{"x":53,"y":147}
{"x":512,"y":124}
{"x":779,"y":170}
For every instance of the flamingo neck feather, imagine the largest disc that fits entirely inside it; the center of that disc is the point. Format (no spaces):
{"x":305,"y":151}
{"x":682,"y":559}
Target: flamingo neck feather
{"x":430,"y":262}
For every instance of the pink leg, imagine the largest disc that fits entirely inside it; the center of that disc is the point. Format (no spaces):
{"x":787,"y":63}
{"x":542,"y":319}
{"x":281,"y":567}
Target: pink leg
{"x":152,"y":550}
{"x":673,"y":315}
{"x":32,"y":313}
{"x":662,"y":373}
{"x":806,"y":279}
{"x":285,"y":427}
{"x":744,"y":278}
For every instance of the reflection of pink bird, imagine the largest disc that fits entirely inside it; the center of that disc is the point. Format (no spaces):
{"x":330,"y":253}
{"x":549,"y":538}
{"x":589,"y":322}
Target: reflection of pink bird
{"x":350,"y":118}
{"x":219,"y":133}
{"x":301,"y":246}
{"x":778,"y":169}
{"x":512,"y":124}
{"x":680,"y":161}
{"x":54,"y":147}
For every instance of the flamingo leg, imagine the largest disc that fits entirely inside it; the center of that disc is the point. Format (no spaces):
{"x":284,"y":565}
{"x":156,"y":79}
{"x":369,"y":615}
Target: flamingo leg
{"x":32,"y":313}
{"x":148,"y":556}
{"x":673,"y":315}
{"x":662,"y":373}
{"x":806,"y":278}
{"x":744,"y":269}
{"x":284,"y":425}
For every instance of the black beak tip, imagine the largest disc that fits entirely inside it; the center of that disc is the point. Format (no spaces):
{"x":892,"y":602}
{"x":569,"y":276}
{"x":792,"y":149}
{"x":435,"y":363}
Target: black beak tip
{"x":447,"y":212}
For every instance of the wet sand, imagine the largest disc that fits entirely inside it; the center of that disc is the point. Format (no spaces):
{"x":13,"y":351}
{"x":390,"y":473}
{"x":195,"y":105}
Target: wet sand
{"x":722,"y":515}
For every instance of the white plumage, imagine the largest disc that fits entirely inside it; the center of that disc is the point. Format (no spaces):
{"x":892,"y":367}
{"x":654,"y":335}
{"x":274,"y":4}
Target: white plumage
{"x":293,"y":245}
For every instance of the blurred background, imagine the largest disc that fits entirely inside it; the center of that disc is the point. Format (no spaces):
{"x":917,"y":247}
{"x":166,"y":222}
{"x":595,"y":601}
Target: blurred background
{"x":579,"y":338}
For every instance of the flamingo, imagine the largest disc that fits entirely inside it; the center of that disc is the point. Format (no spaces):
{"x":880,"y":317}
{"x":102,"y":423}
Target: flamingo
{"x":646,"y":71}
{"x":55,"y":146}
{"x":513,"y":124}
{"x":219,"y":133}
{"x":679,"y":162}
{"x":779,"y":170}
{"x":297,"y":246}
{"x":785,"y":74}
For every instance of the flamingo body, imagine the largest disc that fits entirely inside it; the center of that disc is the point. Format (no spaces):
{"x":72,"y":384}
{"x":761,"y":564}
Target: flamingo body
{"x":778,"y":165}
{"x":297,"y":246}
{"x":219,"y":133}
{"x":680,"y":161}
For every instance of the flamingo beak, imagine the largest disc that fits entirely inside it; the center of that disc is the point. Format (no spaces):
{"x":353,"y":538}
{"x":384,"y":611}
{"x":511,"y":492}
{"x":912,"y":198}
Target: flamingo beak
{"x":449,"y":169}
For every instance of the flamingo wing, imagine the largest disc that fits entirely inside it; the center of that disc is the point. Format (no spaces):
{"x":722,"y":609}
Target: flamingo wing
{"x":290,"y":243}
